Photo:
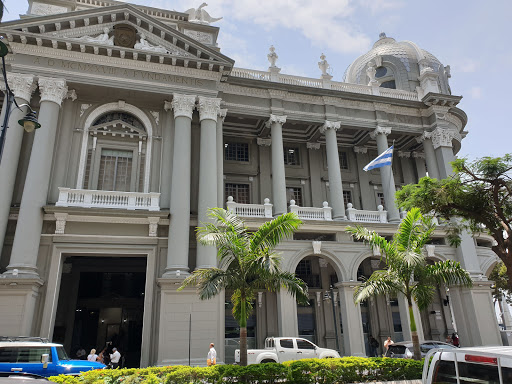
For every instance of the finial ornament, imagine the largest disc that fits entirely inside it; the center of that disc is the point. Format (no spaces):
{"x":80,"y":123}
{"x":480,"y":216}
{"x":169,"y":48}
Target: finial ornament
{"x":382,"y":35}
{"x":272,"y":56}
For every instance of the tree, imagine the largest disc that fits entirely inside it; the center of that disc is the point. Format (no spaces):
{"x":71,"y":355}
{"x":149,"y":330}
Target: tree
{"x":248,"y":263}
{"x":407,"y":271}
{"x":479,"y":192}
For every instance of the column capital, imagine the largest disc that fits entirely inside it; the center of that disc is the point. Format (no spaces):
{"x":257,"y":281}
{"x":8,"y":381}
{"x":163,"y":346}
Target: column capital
{"x":209,"y":108}
{"x":442,"y":137}
{"x":334,"y":125}
{"x":276,"y":119}
{"x":418,"y":155}
{"x":424,"y":136}
{"x":53,"y":89}
{"x":310,"y":145}
{"x":183,"y":105}
{"x":223,"y":113}
{"x":21,"y":85}
{"x":264,"y":142}
{"x":360,"y":150}
{"x":380,"y":131}
{"x":404,"y":154}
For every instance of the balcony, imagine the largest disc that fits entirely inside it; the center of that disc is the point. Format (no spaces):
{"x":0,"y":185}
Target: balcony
{"x":379,"y":216}
{"x":86,"y":198}
{"x":312,"y":213}
{"x":250,"y":210}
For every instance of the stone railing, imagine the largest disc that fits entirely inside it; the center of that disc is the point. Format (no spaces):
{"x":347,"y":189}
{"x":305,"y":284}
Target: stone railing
{"x":379,"y":216}
{"x":312,"y":213}
{"x":86,"y":198}
{"x":250,"y":210}
{"x":320,"y":83}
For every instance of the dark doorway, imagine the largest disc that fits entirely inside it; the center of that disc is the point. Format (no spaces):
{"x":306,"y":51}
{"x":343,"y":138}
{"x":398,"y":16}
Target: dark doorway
{"x":101,"y":300}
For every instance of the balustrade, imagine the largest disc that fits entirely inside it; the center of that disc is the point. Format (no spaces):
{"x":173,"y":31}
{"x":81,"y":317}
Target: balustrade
{"x":312,"y":213}
{"x":250,"y":210}
{"x":379,"y":216}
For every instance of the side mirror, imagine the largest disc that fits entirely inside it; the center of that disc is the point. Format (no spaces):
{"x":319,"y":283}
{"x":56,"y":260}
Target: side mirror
{"x":45,"y":357}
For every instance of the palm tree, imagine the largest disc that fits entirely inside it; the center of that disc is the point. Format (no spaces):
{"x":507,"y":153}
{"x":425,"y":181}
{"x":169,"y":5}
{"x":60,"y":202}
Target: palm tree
{"x":407,"y":271}
{"x":248,"y":263}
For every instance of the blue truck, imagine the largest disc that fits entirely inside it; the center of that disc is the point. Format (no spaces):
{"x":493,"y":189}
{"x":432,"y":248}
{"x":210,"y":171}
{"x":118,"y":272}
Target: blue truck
{"x":40,"y":357}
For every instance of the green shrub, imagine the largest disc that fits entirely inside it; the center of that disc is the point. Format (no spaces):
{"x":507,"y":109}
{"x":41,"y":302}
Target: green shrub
{"x":309,"y":371}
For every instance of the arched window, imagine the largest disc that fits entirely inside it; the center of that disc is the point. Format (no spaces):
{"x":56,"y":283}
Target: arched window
{"x":386,"y":77}
{"x":116,"y":153}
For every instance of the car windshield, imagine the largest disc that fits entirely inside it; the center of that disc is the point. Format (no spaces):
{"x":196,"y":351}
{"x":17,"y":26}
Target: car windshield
{"x":61,"y":353}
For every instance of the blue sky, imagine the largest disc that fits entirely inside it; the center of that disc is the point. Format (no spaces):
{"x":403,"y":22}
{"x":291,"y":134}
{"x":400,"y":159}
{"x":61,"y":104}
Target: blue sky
{"x":472,"y":36}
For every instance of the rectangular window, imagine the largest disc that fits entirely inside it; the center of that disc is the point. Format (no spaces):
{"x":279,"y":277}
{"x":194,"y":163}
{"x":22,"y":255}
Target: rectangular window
{"x":291,"y":156}
{"x":294,"y":193}
{"x":381,"y":200}
{"x":303,"y":344}
{"x":236,"y":152}
{"x":343,"y":159}
{"x":347,"y":197}
{"x":286,"y":343}
{"x":240,"y":192}
{"x":115,"y":171}
{"x":32,"y":354}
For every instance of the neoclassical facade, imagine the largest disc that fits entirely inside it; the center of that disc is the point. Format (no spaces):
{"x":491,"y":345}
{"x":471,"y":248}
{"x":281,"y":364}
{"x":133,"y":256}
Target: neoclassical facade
{"x":146,"y":125}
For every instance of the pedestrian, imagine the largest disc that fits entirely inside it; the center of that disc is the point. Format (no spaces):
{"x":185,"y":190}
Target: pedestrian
{"x":455,"y":340}
{"x":114,"y":358}
{"x":92,"y":356}
{"x":81,"y":354}
{"x":374,"y":344}
{"x":388,"y":342}
{"x":449,"y":339}
{"x":212,"y":356}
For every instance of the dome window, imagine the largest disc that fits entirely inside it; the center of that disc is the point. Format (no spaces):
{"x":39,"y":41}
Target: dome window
{"x":381,"y":71}
{"x":388,"y":84}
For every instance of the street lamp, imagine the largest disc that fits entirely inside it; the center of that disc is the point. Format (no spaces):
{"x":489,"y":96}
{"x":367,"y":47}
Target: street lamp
{"x":29,"y":122}
{"x":329,"y":295}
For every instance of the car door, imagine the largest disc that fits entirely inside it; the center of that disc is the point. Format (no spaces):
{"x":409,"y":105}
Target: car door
{"x":28,"y":360}
{"x":305,"y":349}
{"x":286,"y":350}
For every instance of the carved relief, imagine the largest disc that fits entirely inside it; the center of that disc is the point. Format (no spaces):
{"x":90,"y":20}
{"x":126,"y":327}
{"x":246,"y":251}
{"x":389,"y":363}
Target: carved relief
{"x":360,"y":150}
{"x":202,"y":37}
{"x":52,"y":89}
{"x":442,"y":137}
{"x":124,"y":35}
{"x":83,"y":108}
{"x":264,"y":142}
{"x":60,"y":222}
{"x":156,"y":116}
{"x":153,"y":226}
{"x":310,"y":145}
{"x":223,"y":113}
{"x":208,"y":108}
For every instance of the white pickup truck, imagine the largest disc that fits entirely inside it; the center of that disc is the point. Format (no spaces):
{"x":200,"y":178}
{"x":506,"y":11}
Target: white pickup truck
{"x":280,"y":349}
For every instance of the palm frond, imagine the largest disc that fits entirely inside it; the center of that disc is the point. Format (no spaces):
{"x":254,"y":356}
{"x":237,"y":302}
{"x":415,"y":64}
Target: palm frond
{"x":236,"y":300}
{"x":372,"y":238}
{"x":208,"y":281}
{"x":287,"y":280}
{"x":447,"y":272}
{"x":271,"y":233}
{"x":379,"y":283}
{"x":423,"y":295}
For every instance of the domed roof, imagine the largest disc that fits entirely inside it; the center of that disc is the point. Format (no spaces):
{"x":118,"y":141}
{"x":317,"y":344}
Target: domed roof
{"x":404,"y":59}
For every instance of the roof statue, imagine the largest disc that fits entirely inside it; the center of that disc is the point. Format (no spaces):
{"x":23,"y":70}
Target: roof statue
{"x":200,"y":16}
{"x":324,"y":67}
{"x":272,"y":56}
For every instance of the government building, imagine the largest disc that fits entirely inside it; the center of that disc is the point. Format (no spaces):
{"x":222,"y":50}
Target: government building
{"x":145,"y":124}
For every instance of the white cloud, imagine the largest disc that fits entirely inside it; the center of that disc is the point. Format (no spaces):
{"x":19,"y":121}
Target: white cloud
{"x":465,"y":65}
{"x":476,"y":92}
{"x":378,"y":6}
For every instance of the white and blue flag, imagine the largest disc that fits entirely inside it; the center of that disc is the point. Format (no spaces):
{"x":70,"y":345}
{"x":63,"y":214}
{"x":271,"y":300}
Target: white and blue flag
{"x":385,"y":158}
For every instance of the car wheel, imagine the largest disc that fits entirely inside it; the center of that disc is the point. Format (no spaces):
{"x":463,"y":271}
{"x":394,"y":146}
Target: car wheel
{"x":267,"y":361}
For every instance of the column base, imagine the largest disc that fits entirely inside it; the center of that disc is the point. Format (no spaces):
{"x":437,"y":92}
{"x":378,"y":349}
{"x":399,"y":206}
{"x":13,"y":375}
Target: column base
{"x":176,"y":272}
{"x":340,"y":218}
{"x":24,"y":271}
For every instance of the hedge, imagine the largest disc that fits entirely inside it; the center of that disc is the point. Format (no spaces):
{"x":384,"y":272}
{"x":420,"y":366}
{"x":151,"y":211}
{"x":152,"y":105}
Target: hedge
{"x":309,"y":371}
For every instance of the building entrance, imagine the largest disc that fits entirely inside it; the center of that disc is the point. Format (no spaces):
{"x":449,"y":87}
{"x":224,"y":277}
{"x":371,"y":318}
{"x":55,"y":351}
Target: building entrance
{"x":101,"y":306}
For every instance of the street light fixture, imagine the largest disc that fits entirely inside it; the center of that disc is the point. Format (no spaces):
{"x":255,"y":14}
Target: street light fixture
{"x":29,"y":122}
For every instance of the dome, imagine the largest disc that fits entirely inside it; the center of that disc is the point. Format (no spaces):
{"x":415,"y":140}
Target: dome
{"x":396,"y":65}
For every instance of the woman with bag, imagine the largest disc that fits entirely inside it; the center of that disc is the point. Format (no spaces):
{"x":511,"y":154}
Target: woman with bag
{"x":212,"y":356}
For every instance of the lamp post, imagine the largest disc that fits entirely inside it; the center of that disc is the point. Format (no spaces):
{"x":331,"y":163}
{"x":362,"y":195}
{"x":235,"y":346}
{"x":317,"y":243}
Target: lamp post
{"x":329,"y":295}
{"x":29,"y":122}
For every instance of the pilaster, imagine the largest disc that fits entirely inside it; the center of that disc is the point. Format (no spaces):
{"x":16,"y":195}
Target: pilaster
{"x":287,"y":314}
{"x":353,"y":337}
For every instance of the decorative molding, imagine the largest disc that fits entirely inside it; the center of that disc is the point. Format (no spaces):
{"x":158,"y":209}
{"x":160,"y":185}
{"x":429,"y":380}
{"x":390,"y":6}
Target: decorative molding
{"x":60,"y":222}
{"x":277,"y":94}
{"x":264,"y":142}
{"x":167,"y":105}
{"x":209,"y":108}
{"x":202,"y":37}
{"x":41,"y":9}
{"x":360,"y":149}
{"x":243,"y":91}
{"x":222,"y":113}
{"x":335,"y":101}
{"x":380,"y":130}
{"x":335,"y":125}
{"x":23,"y":86}
{"x":183,"y":105}
{"x":405,"y":155}
{"x":424,"y":136}
{"x":454,"y":120}
{"x":310,"y":145}
{"x":83,"y":108}
{"x":317,"y":250}
{"x":156,"y":116}
{"x":153,"y":226}
{"x":52,"y":89}
{"x":71,"y":95}
{"x":418,"y":155}
{"x":276,"y":119}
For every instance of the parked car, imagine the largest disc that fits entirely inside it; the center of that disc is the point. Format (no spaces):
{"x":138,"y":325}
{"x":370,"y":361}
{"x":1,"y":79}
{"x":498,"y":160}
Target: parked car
{"x":485,"y":365}
{"x":40,"y":357}
{"x":280,"y":349}
{"x":21,"y":378}
{"x":404,"y":349}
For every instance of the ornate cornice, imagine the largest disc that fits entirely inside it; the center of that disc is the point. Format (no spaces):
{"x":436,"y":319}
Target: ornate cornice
{"x":442,"y":137}
{"x":222,"y":113}
{"x":334,"y":125}
{"x":21,"y":85}
{"x":209,"y":108}
{"x":380,"y":131}
{"x":277,"y":94}
{"x":403,"y":154}
{"x":360,"y":150}
{"x":52,"y":89}
{"x":276,"y":119}
{"x":310,"y":145}
{"x":264,"y":142}
{"x":183,"y":105}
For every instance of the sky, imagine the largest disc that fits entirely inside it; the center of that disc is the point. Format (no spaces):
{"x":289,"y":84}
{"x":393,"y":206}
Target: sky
{"x":471,"y":36}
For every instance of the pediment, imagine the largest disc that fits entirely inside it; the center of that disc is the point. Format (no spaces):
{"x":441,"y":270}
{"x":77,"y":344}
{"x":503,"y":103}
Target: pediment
{"x":120,"y":31}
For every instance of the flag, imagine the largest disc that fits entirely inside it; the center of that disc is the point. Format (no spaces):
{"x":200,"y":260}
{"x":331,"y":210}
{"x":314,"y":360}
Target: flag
{"x":385,"y":158}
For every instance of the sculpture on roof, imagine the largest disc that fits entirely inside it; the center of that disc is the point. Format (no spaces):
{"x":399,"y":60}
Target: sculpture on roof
{"x":143,"y":45}
{"x":272,"y":56}
{"x":200,"y":16}
{"x":100,"y":39}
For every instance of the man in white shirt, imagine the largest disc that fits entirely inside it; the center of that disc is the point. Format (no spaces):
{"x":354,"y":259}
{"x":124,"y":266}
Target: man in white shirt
{"x":212,"y":355}
{"x":388,"y":342}
{"x":114,"y":358}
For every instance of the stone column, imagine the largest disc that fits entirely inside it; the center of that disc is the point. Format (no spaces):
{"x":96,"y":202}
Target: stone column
{"x":367,"y":194}
{"x":278,"y":174}
{"x":209,"y":109}
{"x":179,"y":227}
{"x":287,"y":322}
{"x":405,"y":319}
{"x":221,"y":199}
{"x":386,"y":173}
{"x":333,"y":168}
{"x":407,"y":167}
{"x":167,"y":150}
{"x":22,"y":86}
{"x":30,"y":219}
{"x":430,"y":155}
{"x":353,"y":337}
{"x":421,"y":168}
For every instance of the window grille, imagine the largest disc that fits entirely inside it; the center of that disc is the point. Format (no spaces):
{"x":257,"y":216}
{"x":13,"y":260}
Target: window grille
{"x":291,"y":156}
{"x":115,"y":170}
{"x":294,"y":193}
{"x":303,"y":268}
{"x":236,"y":152}
{"x":240,"y":192}
{"x":343,"y":159}
{"x":347,"y":197}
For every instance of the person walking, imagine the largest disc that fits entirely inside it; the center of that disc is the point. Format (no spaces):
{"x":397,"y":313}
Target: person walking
{"x":388,"y":342}
{"x":114,"y":358}
{"x":455,"y":340}
{"x":212,"y":356}
{"x":92,"y":356}
{"x":374,"y":344}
